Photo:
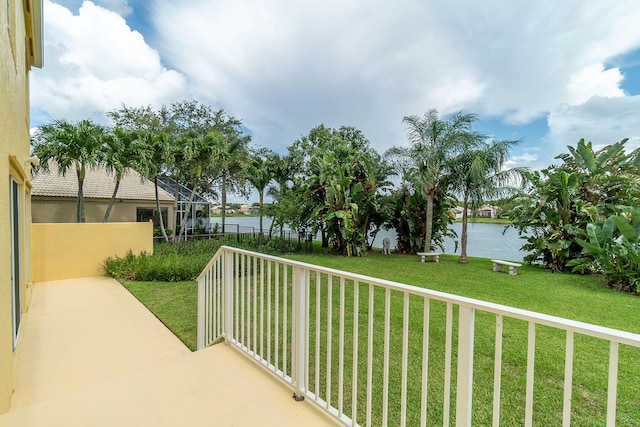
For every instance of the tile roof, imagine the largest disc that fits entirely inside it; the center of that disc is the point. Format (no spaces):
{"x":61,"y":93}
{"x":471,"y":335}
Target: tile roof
{"x":98,"y":184}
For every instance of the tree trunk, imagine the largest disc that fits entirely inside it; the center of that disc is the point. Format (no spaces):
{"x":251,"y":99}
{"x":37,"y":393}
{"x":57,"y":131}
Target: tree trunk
{"x":176,"y":196}
{"x":261,"y":198}
{"x":80,"y":207}
{"x":113,"y":198}
{"x":162,"y":230}
{"x":463,"y":234}
{"x":224,"y":200}
{"x":429,"y":222}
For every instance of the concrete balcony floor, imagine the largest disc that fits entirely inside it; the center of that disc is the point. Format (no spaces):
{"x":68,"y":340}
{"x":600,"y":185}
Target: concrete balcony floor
{"x":90,"y":354}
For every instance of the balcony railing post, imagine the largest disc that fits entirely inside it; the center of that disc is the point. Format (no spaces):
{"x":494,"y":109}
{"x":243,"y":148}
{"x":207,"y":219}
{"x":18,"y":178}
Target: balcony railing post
{"x":201,"y":314}
{"x":464,"y":393}
{"x":299,"y":340}
{"x":228,"y":296}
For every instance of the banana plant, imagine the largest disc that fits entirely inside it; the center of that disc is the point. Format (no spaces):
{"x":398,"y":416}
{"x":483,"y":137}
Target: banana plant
{"x":613,"y":249}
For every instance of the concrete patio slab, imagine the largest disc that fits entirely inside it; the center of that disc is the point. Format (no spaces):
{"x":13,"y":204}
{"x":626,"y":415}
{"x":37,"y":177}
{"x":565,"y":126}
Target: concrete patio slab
{"x":90,"y":354}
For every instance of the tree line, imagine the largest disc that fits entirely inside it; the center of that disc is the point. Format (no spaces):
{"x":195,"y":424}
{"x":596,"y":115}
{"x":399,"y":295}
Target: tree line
{"x":332,"y":182}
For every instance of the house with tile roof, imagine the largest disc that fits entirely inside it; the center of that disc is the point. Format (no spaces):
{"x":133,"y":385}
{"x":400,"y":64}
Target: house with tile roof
{"x":54,"y":197}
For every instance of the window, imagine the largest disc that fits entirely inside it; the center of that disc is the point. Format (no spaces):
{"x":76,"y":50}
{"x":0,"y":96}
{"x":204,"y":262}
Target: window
{"x":146,"y":214}
{"x":16,"y":264}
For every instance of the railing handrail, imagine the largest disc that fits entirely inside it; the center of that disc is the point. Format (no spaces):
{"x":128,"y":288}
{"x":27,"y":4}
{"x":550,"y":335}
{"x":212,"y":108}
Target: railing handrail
{"x":589,"y":329}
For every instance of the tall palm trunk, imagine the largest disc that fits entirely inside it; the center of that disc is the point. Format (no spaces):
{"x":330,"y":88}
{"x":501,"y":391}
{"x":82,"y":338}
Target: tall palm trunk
{"x":261,"y":199}
{"x":162,"y":230}
{"x":113,"y":198}
{"x":463,"y":236}
{"x":429,"y":222}
{"x":80,"y":207}
{"x":224,"y":200}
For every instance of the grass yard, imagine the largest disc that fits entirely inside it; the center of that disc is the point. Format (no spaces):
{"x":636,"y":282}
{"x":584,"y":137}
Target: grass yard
{"x":572,"y":296}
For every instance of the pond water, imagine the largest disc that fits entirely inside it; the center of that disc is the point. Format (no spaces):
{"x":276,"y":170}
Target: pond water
{"x":485,"y":240}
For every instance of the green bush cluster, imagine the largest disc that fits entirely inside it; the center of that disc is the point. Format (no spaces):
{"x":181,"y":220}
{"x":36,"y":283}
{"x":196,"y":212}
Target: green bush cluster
{"x":185,"y":260}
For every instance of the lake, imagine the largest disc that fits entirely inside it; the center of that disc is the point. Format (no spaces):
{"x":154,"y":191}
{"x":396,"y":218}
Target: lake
{"x":485,"y":240}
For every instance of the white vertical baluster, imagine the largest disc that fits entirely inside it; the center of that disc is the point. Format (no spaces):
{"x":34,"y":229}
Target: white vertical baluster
{"x":277,"y":319}
{"x":262,"y":308}
{"x":568,"y":380}
{"x":425,"y":362}
{"x":255,"y":299}
{"x":341,"y":352}
{"x":356,"y":338}
{"x":269,"y":324}
{"x":497,"y":372}
{"x":228,"y":273}
{"x":464,"y":392}
{"x":299,"y":338}
{"x":329,"y":335}
{"x":201,"y":314}
{"x":370,"y":353}
{"x":447,"y":365}
{"x":243,"y":311}
{"x":612,"y":389}
{"x":385,"y":376}
{"x":531,"y":361}
{"x":318,"y":299}
{"x":285,"y":319}
{"x":405,"y":355}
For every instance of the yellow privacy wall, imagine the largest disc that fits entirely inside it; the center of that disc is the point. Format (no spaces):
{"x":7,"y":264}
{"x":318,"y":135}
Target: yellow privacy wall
{"x":64,"y":251}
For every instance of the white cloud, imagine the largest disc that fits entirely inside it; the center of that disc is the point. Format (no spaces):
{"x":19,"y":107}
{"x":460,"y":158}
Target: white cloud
{"x":94,"y":62}
{"x":121,"y":7}
{"x":285,"y":67}
{"x":600,"y":120}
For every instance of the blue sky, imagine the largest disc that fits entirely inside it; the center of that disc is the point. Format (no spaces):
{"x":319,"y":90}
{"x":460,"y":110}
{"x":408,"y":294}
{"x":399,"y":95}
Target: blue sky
{"x":546,"y":72}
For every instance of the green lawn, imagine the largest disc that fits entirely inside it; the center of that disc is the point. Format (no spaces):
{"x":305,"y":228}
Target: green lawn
{"x":572,"y":296}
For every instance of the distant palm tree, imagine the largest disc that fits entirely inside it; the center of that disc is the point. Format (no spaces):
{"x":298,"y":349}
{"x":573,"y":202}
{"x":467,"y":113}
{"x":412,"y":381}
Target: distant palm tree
{"x":123,"y":150}
{"x":434,"y":142}
{"x":477,"y":175}
{"x":199,"y":157}
{"x":259,"y":175}
{"x":70,"y":144}
{"x":231,"y":161}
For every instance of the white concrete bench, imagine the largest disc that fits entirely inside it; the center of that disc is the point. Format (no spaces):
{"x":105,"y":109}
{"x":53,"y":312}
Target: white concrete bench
{"x":499,"y":264}
{"x":433,"y":256}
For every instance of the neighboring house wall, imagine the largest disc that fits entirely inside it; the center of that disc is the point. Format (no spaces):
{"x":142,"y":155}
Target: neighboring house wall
{"x":55,"y":196}
{"x":63,"y":210}
{"x":64,"y":251}
{"x":20,"y":49}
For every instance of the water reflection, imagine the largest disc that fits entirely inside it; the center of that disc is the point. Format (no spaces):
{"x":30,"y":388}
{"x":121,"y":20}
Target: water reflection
{"x":485,"y":240}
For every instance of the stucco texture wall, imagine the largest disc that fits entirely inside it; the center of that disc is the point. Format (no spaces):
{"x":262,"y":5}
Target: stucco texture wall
{"x":64,"y":251}
{"x":61,"y":209}
{"x":14,"y":143}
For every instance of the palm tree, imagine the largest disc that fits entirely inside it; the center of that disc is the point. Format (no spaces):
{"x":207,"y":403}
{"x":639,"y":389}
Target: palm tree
{"x":434,"y":142}
{"x":259,"y":175}
{"x":70,"y":144}
{"x":198,"y":159}
{"x":123,"y":150}
{"x":231,"y":160}
{"x":477,"y":175}
{"x":283,"y":169}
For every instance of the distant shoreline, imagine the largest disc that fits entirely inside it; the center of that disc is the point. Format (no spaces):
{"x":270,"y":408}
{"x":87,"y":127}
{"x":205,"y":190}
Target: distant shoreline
{"x":471,"y":220}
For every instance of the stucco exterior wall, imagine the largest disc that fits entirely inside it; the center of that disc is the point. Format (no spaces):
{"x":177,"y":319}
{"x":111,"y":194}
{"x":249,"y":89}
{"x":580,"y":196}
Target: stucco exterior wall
{"x":63,"y":210}
{"x":14,"y":150}
{"x":64,"y":251}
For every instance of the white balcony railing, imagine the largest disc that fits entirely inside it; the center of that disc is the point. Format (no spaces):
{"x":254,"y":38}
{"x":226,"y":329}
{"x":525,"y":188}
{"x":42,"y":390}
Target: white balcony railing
{"x":374,"y":352}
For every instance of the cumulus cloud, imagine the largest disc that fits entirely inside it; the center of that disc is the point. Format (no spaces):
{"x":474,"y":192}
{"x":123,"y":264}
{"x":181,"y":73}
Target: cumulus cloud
{"x":600,"y":120}
{"x":285,"y":67}
{"x":94,"y":62}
